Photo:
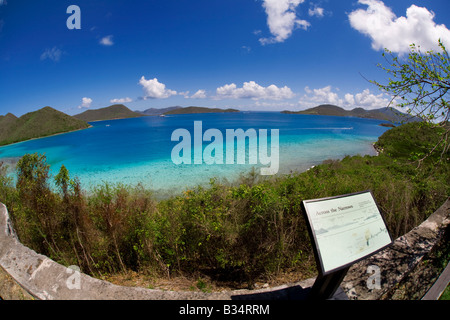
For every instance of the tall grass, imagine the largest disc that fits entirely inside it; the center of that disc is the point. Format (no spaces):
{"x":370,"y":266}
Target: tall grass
{"x":240,"y":232}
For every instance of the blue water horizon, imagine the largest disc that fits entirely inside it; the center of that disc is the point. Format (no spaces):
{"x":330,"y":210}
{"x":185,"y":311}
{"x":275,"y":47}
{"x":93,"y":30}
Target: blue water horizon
{"x":138,"y":150}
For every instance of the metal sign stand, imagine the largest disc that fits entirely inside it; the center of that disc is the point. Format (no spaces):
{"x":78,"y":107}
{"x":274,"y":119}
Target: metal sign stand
{"x":326,"y":287}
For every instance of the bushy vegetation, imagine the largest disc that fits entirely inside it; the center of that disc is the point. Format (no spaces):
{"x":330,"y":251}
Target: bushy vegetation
{"x":420,"y":84}
{"x":416,"y":142}
{"x":251,"y":229}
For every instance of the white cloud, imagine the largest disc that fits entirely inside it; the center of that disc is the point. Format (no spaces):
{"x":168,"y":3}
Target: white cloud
{"x":3,"y":3}
{"x":107,"y":41}
{"x":349,"y":99}
{"x":270,"y":106}
{"x":52,"y":54}
{"x":328,"y":95}
{"x":252,"y":90}
{"x":397,"y":33}
{"x":154,"y":89}
{"x":317,"y":11}
{"x":367,"y":100}
{"x":322,"y":96}
{"x":200,"y":94}
{"x":184,"y":94}
{"x":282,"y":19}
{"x":85,"y":103}
{"x":122,"y":100}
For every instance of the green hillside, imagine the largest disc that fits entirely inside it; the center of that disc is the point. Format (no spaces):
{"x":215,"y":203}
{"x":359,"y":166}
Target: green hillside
{"x":116,"y":111}
{"x":190,"y":110}
{"x":41,"y":123}
{"x":157,"y":111}
{"x":387,"y":114}
{"x":5,"y":123}
{"x":412,"y":141}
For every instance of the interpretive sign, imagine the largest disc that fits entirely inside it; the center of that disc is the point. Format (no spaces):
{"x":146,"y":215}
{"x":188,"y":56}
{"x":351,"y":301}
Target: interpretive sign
{"x":345,"y":229}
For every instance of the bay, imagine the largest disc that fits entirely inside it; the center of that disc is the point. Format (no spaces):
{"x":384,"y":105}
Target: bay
{"x":138,"y":150}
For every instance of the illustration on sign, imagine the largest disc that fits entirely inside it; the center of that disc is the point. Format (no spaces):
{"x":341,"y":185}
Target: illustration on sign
{"x":346,"y":229}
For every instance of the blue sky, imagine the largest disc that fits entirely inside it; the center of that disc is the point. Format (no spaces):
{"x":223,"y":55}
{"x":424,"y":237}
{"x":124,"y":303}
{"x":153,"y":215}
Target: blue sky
{"x":246,"y":54}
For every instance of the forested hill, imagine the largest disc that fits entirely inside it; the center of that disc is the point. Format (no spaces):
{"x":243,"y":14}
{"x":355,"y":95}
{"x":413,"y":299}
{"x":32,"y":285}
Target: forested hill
{"x":192,"y":110}
{"x":41,"y":123}
{"x":387,"y":114}
{"x":116,"y":111}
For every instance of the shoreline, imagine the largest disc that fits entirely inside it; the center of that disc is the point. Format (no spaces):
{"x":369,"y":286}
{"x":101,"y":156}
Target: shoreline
{"x":51,"y":135}
{"x":115,"y":119}
{"x":166,"y":191}
{"x":157,"y":175}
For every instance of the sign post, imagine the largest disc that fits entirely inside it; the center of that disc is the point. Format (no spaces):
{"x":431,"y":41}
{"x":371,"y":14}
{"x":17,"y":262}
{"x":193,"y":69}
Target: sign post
{"x":344,"y":230}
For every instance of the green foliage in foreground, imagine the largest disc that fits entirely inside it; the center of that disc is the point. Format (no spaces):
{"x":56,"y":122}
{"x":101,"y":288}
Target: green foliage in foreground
{"x":243,"y":231}
{"x":446,"y":294}
{"x":420,"y":84}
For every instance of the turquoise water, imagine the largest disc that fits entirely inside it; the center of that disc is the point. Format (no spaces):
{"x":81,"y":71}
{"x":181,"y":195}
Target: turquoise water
{"x":139,"y":149}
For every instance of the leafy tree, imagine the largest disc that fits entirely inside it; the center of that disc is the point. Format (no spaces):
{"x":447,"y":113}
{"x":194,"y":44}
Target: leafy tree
{"x":37,"y":202}
{"x":62,"y":180}
{"x":421,"y":83}
{"x":32,"y":175}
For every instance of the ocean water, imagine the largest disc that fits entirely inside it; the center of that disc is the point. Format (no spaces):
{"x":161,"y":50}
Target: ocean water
{"x":139,"y":150}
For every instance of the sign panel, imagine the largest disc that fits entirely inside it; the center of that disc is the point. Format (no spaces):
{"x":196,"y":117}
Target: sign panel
{"x":345,"y":229}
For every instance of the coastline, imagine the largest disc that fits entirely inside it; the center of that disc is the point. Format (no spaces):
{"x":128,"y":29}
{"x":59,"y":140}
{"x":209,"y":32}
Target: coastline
{"x":139,"y":164}
{"x":51,"y":135}
{"x":378,"y":151}
{"x":115,"y":119}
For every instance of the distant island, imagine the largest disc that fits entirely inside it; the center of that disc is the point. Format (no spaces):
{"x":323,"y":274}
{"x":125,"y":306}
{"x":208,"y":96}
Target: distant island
{"x":116,"y":111}
{"x":119,"y":111}
{"x":37,"y":124}
{"x":192,"y":110}
{"x":386,"y":114}
{"x":48,"y":121}
{"x":157,"y":111}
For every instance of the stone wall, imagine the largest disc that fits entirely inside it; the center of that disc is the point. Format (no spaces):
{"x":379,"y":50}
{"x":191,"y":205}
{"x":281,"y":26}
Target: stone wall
{"x":400,"y":261}
{"x":25,"y":274}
